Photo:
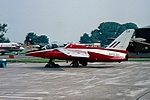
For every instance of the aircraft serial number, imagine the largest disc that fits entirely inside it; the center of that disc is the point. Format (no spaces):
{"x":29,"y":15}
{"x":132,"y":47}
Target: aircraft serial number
{"x":114,"y":54}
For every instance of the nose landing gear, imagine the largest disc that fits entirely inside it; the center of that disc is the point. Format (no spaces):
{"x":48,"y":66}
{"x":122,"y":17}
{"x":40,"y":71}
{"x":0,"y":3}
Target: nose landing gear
{"x":51,"y":64}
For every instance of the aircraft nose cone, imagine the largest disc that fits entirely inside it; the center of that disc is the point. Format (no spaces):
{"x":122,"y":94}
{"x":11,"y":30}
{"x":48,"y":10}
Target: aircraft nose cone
{"x":34,"y":53}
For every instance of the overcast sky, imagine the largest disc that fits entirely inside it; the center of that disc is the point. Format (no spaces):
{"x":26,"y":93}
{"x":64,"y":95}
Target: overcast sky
{"x":67,"y":20}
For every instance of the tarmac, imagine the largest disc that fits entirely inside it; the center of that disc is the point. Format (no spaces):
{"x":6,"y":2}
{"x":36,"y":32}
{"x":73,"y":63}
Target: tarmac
{"x":97,"y":81}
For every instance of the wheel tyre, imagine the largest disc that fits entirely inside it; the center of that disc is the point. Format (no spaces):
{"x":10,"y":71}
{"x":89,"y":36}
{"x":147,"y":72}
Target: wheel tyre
{"x":57,"y":65}
{"x":51,"y":64}
{"x":75,"y":64}
{"x":84,"y":64}
{"x":47,"y":65}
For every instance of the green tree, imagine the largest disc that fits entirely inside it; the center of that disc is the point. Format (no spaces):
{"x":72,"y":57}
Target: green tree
{"x":43,"y":39}
{"x":2,"y":31}
{"x":95,"y":36}
{"x":108,"y":27}
{"x":32,"y":39}
{"x":108,"y":30}
{"x":85,"y":38}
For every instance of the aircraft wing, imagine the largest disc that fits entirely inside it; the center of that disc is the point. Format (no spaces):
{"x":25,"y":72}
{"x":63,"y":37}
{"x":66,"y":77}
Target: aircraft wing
{"x":74,"y":53}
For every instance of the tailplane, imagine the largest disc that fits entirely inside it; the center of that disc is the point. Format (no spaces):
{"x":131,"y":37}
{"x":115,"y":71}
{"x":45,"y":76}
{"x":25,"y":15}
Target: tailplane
{"x":122,"y":41}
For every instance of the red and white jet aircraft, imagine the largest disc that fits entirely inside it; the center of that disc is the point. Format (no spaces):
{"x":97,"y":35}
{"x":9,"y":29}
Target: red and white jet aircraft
{"x":9,"y":47}
{"x":81,"y":54}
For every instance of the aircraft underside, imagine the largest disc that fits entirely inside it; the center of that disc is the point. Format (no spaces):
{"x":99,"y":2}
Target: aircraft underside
{"x":74,"y":63}
{"x":51,"y":63}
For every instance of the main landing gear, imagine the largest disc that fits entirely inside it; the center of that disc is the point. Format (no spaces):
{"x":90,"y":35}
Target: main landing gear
{"x":76,"y":63}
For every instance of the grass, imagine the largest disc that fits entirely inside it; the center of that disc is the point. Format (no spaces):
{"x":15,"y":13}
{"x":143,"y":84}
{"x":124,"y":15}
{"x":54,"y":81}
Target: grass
{"x":29,"y":60}
{"x":14,"y":53}
{"x":139,"y":59}
{"x":32,"y":60}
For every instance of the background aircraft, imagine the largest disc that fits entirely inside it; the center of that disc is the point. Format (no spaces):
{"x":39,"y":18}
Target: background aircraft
{"x":80,"y":54}
{"x":9,"y":47}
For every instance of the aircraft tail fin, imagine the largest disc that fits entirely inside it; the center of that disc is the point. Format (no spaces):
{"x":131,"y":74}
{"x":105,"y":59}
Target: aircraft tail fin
{"x":122,"y":41}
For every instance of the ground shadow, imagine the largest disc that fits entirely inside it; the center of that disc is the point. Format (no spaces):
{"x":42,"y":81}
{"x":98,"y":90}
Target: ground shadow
{"x":46,"y":69}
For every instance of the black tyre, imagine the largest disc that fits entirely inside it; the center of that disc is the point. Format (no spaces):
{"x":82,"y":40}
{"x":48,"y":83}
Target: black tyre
{"x":84,"y":64}
{"x":51,"y":64}
{"x":47,"y":65}
{"x":75,"y":64}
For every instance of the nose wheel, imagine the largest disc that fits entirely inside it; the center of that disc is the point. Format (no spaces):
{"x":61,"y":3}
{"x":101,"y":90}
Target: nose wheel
{"x":51,"y":64}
